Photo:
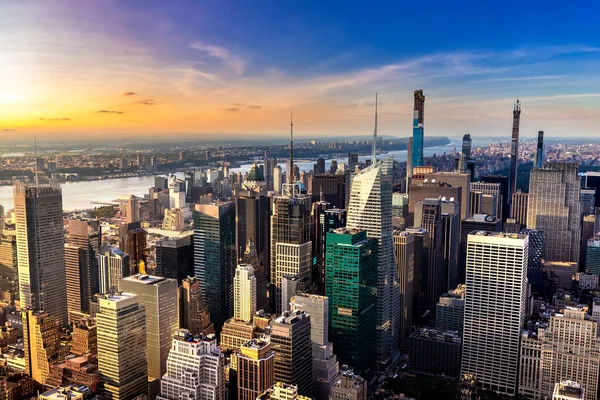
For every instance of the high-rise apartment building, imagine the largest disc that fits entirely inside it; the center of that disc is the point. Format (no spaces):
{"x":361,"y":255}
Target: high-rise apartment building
{"x":113,"y":265}
{"x":290,"y":237}
{"x":175,"y":258}
{"x":40,"y":248}
{"x":215,"y":257}
{"x":194,"y":314}
{"x":518,"y":209}
{"x":351,"y":287}
{"x":554,"y":207}
{"x":122,"y":347}
{"x":418,"y":129}
{"x":244,"y":293}
{"x":325,"y":365}
{"x":496,"y":291}
{"x":159,"y":297}
{"x":404,"y":252}
{"x":195,"y":369}
{"x":370,"y":209}
{"x":255,"y":369}
{"x":41,"y":344}
{"x":540,"y":156}
{"x":570,"y":349}
{"x":291,"y":343}
{"x":514,"y":150}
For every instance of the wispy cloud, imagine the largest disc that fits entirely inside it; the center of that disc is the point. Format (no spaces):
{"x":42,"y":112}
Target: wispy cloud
{"x":226,"y":57}
{"x":55,"y":119}
{"x":9,"y":129}
{"x":231,"y":110}
{"x":148,"y":102}
{"x":109,"y":112}
{"x":129,"y":94}
{"x":254,"y":107}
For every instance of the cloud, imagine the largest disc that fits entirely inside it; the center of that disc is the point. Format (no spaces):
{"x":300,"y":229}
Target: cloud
{"x":231,"y":110}
{"x":129,"y":94}
{"x":8,"y":129}
{"x":233,"y":61}
{"x":254,"y":107}
{"x":55,"y":119}
{"x":109,"y":112}
{"x":148,"y":102}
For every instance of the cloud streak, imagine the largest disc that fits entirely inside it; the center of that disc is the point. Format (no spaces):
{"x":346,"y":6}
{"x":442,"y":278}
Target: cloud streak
{"x":63,"y":119}
{"x":148,"y":102}
{"x":226,"y":57}
{"x":129,"y":94}
{"x":109,"y":112}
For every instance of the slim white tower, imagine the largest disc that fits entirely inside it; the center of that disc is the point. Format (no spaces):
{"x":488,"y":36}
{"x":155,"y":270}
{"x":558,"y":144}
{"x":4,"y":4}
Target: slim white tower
{"x":244,"y":293}
{"x":494,"y":308}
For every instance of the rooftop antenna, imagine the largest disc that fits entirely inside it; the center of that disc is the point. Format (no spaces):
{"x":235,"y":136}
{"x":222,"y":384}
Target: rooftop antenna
{"x":35,"y":158}
{"x":291,"y":171}
{"x":374,"y":155}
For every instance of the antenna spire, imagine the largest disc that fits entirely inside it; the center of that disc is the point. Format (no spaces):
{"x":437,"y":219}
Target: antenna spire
{"x":374,"y":155}
{"x":291,"y":171}
{"x":35,"y":158}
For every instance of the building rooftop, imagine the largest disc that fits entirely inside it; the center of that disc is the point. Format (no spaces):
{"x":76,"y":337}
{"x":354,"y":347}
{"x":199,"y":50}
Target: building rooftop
{"x":256,"y":344}
{"x":146,"y":279}
{"x":291,"y":317}
{"x":499,"y":235}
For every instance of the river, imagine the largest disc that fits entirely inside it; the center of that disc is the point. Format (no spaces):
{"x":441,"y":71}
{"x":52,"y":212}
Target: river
{"x":80,"y":195}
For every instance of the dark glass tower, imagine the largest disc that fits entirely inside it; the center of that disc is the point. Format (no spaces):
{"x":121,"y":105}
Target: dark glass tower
{"x":466,"y":145}
{"x":175,"y":258}
{"x":536,"y":253}
{"x":539,"y":153}
{"x":215,"y":257}
{"x":351,"y":285}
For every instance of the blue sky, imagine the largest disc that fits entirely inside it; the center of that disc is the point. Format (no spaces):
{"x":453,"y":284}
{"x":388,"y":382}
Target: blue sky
{"x":239,"y":66}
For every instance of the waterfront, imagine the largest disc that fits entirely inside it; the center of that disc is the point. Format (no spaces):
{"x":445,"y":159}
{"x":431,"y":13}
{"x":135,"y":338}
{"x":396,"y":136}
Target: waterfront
{"x":81,"y":195}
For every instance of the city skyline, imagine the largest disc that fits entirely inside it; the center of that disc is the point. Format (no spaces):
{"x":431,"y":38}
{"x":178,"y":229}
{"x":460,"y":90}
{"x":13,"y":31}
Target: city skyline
{"x":203,"y":68}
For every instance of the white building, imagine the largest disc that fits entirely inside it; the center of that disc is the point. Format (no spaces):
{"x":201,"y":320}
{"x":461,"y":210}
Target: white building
{"x":293,"y":260}
{"x":495,"y":307}
{"x":195,"y":369}
{"x":370,"y":209}
{"x":325,"y":365}
{"x":244,"y":293}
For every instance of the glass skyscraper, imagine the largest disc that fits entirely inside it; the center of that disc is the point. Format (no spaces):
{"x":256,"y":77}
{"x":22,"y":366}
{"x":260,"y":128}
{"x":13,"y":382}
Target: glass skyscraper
{"x":351,"y":285}
{"x":215,"y":257}
{"x":418,"y":129}
{"x":370,"y":209}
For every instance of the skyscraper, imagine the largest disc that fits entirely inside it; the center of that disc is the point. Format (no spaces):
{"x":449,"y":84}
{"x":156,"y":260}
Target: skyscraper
{"x":450,"y":249}
{"x":41,"y":341}
{"x":132,"y":210}
{"x":349,"y":387}
{"x":194,"y":314}
{"x":122,"y":347}
{"x":290,"y":237}
{"x":255,"y":372}
{"x":422,"y":243}
{"x":351,"y":284}
{"x":113,"y":265}
{"x":244,"y":293}
{"x":466,"y":145}
{"x":159,"y":297}
{"x":570,"y":349}
{"x":134,"y":241}
{"x":329,"y":188}
{"x":325,"y":364}
{"x":291,"y":343}
{"x":518,"y":210}
{"x":195,"y":369}
{"x":449,"y":311}
{"x":592,"y":262}
{"x":536,"y":254}
{"x":554,"y":207}
{"x":215,"y":257}
{"x":40,"y":248}
{"x":494,"y":308}
{"x":404,"y":246}
{"x":175,"y":258}
{"x":81,"y":264}
{"x":370,"y":209}
{"x":504,"y":191}
{"x":514,"y":150}
{"x":491,"y":189}
{"x":540,"y":155}
{"x":418,"y":134}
